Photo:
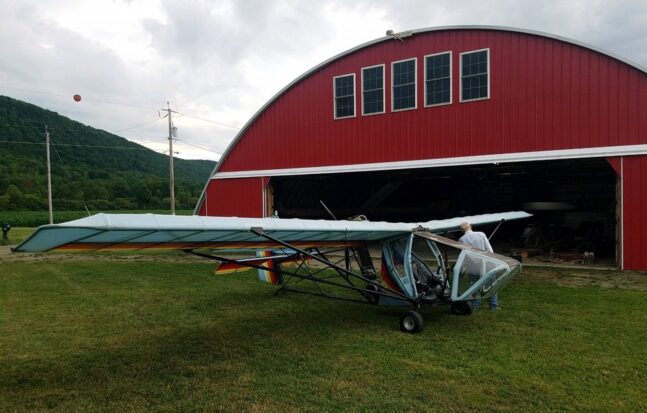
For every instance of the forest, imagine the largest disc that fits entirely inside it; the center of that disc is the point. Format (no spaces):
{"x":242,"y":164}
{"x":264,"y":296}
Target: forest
{"x":91,"y":168}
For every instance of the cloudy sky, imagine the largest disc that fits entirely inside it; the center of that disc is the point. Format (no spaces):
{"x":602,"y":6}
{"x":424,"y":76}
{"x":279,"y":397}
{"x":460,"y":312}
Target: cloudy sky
{"x":219,"y":61}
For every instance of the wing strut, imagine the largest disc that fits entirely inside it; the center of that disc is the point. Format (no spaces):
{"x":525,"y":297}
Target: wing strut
{"x":390,"y":293}
{"x":496,"y":229}
{"x":259,"y":231}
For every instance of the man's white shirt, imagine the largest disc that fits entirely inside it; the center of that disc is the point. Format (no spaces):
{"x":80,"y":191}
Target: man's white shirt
{"x":476,"y":240}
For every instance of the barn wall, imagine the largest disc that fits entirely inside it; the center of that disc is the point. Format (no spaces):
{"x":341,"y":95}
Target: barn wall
{"x":234,"y":197}
{"x":634,"y":176}
{"x":545,"y":94}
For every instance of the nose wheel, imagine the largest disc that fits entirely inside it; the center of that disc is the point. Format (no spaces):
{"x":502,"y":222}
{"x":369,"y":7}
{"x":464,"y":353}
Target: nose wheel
{"x":411,"y":322}
{"x":461,"y":308}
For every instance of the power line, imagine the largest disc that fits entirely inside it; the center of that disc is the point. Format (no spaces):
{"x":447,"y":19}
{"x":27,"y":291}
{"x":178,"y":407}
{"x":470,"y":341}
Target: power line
{"x":24,"y":142}
{"x":115,"y":147}
{"x":209,"y":120}
{"x":54,"y":146}
{"x":100,"y":146}
{"x":78,"y":145}
{"x":136,"y":126}
{"x":204,"y":148}
{"x":154,"y":141}
{"x":120,"y":104}
{"x":22,"y":123}
{"x":88,"y":99}
{"x":33,"y":91}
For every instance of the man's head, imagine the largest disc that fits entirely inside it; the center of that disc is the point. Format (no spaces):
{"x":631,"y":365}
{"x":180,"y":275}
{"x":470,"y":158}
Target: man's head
{"x":465,"y":226}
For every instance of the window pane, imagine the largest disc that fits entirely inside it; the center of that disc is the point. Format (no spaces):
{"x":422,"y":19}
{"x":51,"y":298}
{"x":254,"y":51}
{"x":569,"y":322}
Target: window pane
{"x":475,"y":87}
{"x":345,"y":106}
{"x":344,"y":96}
{"x":404,"y":85}
{"x":438,"y":79}
{"x":373,"y":89}
{"x":373,"y":101}
{"x":474,"y":76}
{"x":404,"y":72}
{"x":404,"y":97}
{"x":438,"y":91}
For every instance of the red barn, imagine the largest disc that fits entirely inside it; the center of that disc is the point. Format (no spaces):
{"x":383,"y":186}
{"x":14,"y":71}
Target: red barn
{"x":448,"y":121}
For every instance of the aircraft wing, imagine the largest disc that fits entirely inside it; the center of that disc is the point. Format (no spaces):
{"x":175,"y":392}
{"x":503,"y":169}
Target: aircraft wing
{"x":122,"y":232}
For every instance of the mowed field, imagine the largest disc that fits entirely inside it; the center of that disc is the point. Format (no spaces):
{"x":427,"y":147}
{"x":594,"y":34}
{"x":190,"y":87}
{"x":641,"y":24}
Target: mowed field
{"x":161,"y":333}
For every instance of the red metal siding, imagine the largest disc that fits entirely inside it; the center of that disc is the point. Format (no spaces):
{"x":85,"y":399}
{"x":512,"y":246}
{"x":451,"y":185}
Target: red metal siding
{"x":234,"y":197}
{"x":545,"y":94}
{"x":634,"y":176}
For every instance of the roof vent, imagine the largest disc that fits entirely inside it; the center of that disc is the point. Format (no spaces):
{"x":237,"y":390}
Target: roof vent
{"x":399,"y":36}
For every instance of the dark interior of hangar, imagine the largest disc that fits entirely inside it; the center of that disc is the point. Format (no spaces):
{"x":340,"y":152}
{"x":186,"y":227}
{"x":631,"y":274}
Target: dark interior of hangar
{"x":573,"y":201}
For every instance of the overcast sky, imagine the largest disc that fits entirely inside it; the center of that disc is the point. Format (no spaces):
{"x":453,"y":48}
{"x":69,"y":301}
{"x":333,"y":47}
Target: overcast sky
{"x":222,"y":60}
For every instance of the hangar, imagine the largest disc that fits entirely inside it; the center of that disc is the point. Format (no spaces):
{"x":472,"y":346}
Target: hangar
{"x":450,"y":121}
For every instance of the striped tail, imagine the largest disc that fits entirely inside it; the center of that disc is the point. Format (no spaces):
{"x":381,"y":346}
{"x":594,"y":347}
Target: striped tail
{"x":267,"y":275}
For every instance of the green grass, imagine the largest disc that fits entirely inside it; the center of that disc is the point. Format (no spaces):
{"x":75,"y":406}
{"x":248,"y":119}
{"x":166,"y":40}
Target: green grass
{"x":17,"y":235}
{"x":92,"y":336}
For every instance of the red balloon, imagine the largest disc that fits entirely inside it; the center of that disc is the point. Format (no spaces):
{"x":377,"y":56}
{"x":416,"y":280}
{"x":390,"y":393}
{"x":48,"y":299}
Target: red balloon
{"x":77,"y":98}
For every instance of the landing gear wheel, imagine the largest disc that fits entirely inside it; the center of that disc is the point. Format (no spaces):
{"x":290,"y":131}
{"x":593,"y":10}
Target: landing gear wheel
{"x":411,"y":322}
{"x":462,"y":308}
{"x":371,"y":297}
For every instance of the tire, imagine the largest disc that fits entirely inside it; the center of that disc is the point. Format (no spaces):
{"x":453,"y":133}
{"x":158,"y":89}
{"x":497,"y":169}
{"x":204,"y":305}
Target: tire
{"x":462,"y":308}
{"x":411,"y":322}
{"x":371,"y":297}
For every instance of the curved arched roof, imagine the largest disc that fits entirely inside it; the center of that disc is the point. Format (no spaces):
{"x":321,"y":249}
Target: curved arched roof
{"x":414,"y":32}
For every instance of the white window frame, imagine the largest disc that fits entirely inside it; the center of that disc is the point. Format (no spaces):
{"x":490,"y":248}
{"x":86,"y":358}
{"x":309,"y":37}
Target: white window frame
{"x":451,"y":92}
{"x":415,"y":83}
{"x":334,"y":97}
{"x":460,"y":74}
{"x":383,"y":89}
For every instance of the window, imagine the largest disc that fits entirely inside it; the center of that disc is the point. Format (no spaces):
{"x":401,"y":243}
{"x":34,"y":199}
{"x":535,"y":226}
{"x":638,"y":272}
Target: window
{"x":404,"y":84}
{"x":344,"y":96}
{"x":373,"y":90}
{"x":438,"y":84}
{"x":475,"y":75}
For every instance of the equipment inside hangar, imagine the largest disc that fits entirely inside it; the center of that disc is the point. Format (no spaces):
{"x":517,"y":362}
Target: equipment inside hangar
{"x":573,"y":202}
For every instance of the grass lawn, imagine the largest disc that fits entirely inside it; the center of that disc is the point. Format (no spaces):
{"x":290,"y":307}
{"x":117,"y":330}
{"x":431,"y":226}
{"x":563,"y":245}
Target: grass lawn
{"x":17,"y":235}
{"x":168,"y":336}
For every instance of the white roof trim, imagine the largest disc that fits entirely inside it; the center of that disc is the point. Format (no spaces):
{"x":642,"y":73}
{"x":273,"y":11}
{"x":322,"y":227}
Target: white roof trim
{"x":604,"y":151}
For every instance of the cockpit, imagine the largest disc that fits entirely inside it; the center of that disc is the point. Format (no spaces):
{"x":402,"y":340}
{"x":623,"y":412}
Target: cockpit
{"x":433,"y":269}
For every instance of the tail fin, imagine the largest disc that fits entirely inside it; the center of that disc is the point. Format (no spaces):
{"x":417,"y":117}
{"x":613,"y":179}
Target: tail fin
{"x":229,"y":268}
{"x":268,"y":276}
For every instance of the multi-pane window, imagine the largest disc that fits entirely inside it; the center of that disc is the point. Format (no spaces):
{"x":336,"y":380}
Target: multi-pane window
{"x":438,"y":79}
{"x":344,"y":96}
{"x":474,"y":75}
{"x":373,"y":90}
{"x":404,"y":84}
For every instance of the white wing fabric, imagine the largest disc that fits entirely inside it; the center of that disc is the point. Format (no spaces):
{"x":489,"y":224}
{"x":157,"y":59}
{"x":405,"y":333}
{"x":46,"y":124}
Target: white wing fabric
{"x":148,"y":231}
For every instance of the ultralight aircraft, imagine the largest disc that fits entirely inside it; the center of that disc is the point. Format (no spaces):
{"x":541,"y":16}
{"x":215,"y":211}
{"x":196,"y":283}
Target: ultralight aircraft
{"x":332,"y":259}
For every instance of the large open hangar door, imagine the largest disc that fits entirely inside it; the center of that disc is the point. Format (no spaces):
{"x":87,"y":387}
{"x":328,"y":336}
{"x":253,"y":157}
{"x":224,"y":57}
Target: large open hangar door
{"x":573,"y":201}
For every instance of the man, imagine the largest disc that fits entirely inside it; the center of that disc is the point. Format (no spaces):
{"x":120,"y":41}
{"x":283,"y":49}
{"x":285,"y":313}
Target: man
{"x":479,"y":241}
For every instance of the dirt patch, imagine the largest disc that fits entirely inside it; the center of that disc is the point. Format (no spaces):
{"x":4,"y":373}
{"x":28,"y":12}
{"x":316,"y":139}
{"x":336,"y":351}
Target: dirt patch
{"x":602,"y":278}
{"x":567,"y":277}
{"x":6,"y":255}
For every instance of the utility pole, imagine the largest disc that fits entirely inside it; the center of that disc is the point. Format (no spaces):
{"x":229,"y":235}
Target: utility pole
{"x":170,"y":158}
{"x":49,"y":178}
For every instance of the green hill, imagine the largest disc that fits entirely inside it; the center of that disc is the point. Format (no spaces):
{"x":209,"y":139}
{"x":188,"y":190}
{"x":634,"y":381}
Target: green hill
{"x":87,"y":169}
